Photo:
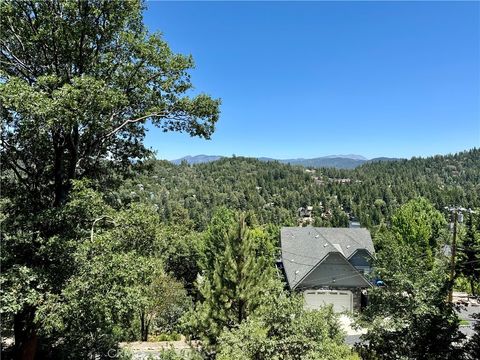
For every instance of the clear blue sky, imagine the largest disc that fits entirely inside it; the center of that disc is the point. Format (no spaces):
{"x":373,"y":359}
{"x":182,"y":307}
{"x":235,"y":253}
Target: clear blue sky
{"x":307,"y":79}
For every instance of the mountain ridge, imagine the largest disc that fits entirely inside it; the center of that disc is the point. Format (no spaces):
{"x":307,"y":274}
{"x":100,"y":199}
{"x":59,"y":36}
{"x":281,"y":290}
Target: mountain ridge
{"x":349,"y":161}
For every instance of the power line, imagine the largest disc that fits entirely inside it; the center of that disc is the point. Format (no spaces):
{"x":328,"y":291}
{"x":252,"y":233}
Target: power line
{"x":469,"y":262}
{"x":305,"y":256}
{"x":299,"y":263}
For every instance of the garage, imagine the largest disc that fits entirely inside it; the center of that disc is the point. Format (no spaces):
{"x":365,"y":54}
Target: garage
{"x":342,"y":300}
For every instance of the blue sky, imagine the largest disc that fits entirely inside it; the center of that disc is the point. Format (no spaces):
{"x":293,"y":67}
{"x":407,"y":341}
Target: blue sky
{"x":307,"y":79}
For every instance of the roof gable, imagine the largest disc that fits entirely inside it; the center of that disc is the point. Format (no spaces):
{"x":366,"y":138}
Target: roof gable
{"x":333,"y":271}
{"x":303,"y":248}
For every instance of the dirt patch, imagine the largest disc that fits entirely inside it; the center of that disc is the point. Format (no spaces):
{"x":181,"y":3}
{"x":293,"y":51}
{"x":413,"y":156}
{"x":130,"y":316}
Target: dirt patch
{"x":144,"y":349}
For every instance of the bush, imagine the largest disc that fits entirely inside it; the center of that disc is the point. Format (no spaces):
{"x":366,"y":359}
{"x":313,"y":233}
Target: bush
{"x":284,"y":330}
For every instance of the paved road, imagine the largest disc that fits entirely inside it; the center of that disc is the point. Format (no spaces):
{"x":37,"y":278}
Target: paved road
{"x":465,"y":313}
{"x":352,"y":339}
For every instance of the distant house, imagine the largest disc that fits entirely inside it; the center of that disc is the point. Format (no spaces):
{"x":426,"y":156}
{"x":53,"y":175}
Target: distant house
{"x":305,"y":215}
{"x":306,"y":211}
{"x":328,"y":265}
{"x":353,"y":223}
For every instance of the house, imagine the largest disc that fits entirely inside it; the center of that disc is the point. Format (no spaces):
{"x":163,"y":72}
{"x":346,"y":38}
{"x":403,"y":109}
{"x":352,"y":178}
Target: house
{"x":305,"y":215}
{"x":328,"y":265}
{"x":305,"y":212}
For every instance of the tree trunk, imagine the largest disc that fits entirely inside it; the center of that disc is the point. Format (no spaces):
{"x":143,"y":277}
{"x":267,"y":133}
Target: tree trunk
{"x":241,"y":311}
{"x":60,"y":193}
{"x":472,"y":286}
{"x":143,"y":327}
{"x":145,"y":335}
{"x":26,"y":339}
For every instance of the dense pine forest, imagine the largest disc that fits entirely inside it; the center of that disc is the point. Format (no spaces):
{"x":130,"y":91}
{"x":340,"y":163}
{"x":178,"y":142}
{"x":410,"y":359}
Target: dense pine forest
{"x":104,"y":246}
{"x":370,"y":193}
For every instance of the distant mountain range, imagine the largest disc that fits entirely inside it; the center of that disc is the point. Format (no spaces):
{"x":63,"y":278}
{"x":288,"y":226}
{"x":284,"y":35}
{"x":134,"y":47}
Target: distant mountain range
{"x":349,"y":161}
{"x":197,"y":159}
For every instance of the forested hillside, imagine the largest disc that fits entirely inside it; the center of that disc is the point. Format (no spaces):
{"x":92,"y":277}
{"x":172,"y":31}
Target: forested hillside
{"x":275,"y":191}
{"x":105,"y":246}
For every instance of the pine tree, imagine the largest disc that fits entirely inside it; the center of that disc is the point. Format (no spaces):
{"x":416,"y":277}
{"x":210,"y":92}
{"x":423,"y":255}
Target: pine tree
{"x":234,"y":286}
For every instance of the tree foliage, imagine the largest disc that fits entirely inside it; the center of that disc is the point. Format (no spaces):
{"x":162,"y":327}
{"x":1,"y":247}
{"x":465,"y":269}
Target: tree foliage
{"x":89,"y":76}
{"x":418,"y":224}
{"x":409,"y":318}
{"x":116,"y":289}
{"x":282,"y":329}
{"x":469,"y":252}
{"x":274,"y":191}
{"x":235,"y":275}
{"x":79,"y":80}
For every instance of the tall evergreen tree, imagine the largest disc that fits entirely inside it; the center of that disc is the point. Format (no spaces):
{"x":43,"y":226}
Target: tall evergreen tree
{"x":235,"y":282}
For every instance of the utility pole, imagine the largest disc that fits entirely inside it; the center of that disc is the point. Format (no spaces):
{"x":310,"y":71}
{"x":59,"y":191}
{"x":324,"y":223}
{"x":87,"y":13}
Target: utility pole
{"x":455,"y":211}
{"x":453,"y":253}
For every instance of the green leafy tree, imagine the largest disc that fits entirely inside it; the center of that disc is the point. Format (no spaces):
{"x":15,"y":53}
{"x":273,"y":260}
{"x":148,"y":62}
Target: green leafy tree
{"x":118,"y":289}
{"x":98,"y":307}
{"x":179,"y":247}
{"x":410,"y":318}
{"x":36,"y":267}
{"x":89,"y":76}
{"x":419,"y":225}
{"x":163,"y":300}
{"x":78,"y":82}
{"x":138,"y":228}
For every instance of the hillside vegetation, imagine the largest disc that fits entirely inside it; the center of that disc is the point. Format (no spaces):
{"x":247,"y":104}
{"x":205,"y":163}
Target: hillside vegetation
{"x":103,"y":244}
{"x":274,"y":191}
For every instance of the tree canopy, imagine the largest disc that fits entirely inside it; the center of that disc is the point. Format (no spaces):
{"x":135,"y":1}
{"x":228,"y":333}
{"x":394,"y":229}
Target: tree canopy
{"x":79,"y":80}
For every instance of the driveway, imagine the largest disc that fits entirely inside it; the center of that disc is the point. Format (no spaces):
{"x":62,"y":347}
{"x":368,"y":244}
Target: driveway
{"x":353,"y":335}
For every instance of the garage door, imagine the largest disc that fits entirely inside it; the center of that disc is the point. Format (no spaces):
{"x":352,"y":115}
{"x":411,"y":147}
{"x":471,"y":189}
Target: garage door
{"x":341,"y":300}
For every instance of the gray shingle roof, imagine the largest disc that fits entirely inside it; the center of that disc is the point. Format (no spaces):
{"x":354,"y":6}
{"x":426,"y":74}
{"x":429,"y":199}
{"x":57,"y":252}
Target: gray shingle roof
{"x":304,"y":247}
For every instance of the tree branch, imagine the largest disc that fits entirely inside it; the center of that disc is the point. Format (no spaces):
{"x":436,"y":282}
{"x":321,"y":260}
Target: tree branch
{"x":129,"y":121}
{"x":10,"y":52}
{"x":13,"y":161}
{"x":13,"y":167}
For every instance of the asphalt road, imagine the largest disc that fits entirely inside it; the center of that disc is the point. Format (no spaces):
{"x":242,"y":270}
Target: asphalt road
{"x":464,"y":313}
{"x":352,"y":339}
